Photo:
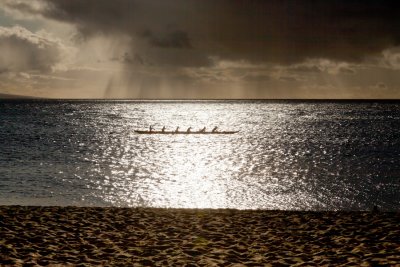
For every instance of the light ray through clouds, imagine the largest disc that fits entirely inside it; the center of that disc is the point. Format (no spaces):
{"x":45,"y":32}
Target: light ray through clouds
{"x":200,"y":49}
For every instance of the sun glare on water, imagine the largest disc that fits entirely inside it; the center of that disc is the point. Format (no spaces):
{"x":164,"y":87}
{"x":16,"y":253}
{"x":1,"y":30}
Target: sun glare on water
{"x":193,"y":182}
{"x":247,"y":170}
{"x":177,"y":171}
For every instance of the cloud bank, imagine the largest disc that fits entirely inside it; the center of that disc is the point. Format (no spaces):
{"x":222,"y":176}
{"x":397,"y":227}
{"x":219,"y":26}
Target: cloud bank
{"x":279,"y":31}
{"x":222,"y":49}
{"x":22,"y":50}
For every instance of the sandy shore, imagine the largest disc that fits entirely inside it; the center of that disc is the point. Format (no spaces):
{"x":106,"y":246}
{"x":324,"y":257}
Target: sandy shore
{"x":164,"y":237}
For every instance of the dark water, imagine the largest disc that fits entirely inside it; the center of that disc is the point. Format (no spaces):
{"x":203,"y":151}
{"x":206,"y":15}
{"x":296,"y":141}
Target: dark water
{"x":287,"y":155}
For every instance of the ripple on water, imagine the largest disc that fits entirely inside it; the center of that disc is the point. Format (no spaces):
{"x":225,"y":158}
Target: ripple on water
{"x":286,"y":155}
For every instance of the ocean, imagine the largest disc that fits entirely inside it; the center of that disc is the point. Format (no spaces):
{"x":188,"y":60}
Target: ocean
{"x":287,"y":155}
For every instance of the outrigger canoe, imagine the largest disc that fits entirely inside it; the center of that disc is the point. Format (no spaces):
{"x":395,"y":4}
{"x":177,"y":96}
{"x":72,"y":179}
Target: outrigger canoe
{"x":183,"y":132}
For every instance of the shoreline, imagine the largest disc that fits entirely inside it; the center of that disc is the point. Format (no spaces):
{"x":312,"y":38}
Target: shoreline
{"x":202,"y":237}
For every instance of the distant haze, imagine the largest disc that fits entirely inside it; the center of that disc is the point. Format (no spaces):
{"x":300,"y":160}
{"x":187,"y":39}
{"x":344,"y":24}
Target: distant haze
{"x":200,"y":49}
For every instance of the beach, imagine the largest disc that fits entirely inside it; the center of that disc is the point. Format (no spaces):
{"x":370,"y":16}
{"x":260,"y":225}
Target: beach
{"x":109,"y":236}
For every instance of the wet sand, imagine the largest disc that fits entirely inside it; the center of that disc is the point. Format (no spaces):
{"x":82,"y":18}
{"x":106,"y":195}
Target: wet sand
{"x":72,"y":236}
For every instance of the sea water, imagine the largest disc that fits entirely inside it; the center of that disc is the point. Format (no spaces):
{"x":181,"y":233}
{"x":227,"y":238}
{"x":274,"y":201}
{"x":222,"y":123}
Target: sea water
{"x":288,"y":155}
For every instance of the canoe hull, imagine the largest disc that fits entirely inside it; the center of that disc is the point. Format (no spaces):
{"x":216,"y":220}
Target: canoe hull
{"x":173,"y":132}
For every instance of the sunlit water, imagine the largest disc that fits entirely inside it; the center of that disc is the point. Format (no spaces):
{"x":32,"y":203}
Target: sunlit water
{"x":287,"y":155}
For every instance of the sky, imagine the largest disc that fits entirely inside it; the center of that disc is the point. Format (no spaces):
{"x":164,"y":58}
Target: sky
{"x":200,"y":49}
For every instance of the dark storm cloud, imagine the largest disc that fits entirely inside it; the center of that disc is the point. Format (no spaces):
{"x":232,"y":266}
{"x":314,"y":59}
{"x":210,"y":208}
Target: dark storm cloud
{"x":128,"y":59}
{"x":175,"y":39}
{"x":281,"y":31}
